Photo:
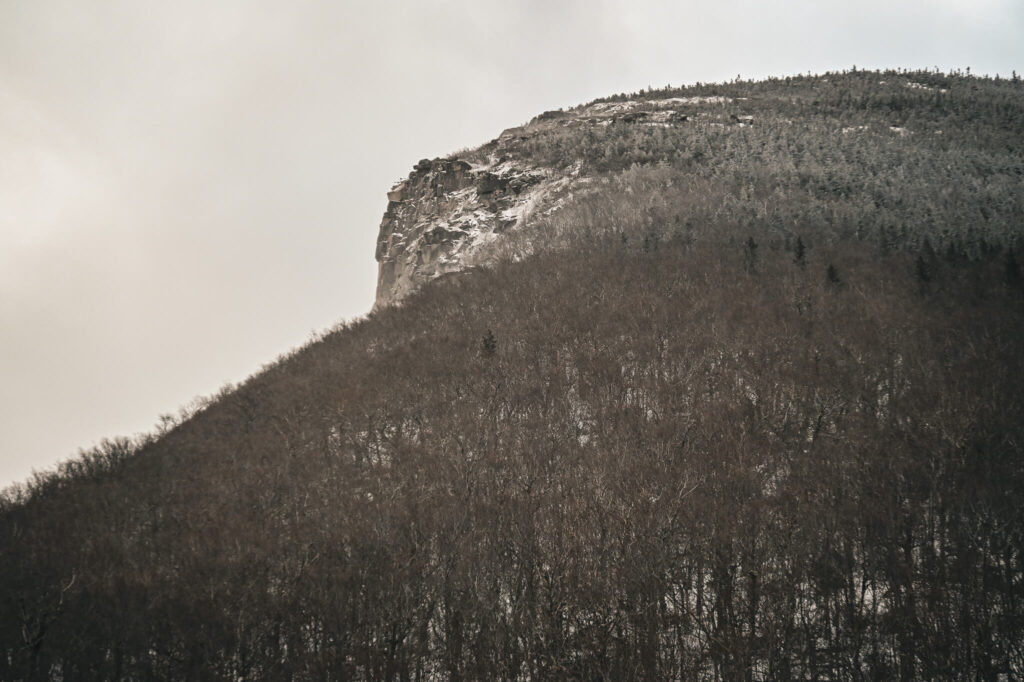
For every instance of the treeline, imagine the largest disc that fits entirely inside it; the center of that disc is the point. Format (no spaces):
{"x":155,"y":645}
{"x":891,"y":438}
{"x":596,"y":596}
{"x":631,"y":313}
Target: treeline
{"x":635,"y":458}
{"x":979,"y":110}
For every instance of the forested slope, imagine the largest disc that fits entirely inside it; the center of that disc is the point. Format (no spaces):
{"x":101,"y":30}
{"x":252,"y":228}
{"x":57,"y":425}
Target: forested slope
{"x":648,"y":441}
{"x":911,"y":160}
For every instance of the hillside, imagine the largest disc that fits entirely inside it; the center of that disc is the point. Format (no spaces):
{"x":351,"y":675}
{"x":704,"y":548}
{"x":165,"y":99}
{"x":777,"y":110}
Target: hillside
{"x":894,"y":159}
{"x":653,"y":390}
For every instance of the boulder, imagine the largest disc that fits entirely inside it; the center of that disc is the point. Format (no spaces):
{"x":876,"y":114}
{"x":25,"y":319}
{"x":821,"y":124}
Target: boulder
{"x":397,"y":192}
{"x":488,"y":183}
{"x":633,"y":116}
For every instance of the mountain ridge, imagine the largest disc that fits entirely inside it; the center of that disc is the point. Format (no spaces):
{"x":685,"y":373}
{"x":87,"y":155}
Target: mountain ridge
{"x":745,"y":405}
{"x":458,"y":211}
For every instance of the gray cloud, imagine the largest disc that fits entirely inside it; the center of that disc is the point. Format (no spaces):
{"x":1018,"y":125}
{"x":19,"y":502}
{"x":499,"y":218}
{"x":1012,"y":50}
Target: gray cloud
{"x":188,"y":189}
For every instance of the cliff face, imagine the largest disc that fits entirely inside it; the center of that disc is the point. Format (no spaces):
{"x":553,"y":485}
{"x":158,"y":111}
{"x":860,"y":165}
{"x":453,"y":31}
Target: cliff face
{"x":439,"y":219}
{"x":450,"y":214}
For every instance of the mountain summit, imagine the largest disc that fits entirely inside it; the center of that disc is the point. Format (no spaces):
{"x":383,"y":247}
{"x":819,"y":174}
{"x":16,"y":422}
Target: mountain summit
{"x":883,"y":157}
{"x":711,"y":383}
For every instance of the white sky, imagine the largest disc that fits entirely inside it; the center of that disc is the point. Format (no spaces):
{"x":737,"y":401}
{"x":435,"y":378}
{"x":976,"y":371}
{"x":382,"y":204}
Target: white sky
{"x":189,"y":188}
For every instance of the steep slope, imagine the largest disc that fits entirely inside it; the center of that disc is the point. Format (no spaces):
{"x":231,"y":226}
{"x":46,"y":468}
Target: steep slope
{"x":447,"y":210}
{"x":895,"y":158}
{"x":708,"y":413}
{"x":443,"y":216}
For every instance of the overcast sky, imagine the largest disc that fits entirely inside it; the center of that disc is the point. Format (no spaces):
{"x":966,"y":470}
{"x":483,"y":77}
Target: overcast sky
{"x":189,"y":188}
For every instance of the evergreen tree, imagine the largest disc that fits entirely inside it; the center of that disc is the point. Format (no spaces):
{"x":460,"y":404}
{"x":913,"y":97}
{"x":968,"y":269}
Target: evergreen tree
{"x":922,"y":270}
{"x":800,"y":253}
{"x":489,"y":344}
{"x":1012,"y":269}
{"x":750,"y":255}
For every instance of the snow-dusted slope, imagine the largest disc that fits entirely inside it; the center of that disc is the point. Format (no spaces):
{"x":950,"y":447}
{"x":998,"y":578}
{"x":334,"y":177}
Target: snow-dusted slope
{"x":441,"y":217}
{"x":438,"y":219}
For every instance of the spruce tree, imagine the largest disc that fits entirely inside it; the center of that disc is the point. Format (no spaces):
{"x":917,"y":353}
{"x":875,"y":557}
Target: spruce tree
{"x":750,"y":255}
{"x":800,"y":253}
{"x":1012,"y":269}
{"x":489,"y":344}
{"x":922,"y":270}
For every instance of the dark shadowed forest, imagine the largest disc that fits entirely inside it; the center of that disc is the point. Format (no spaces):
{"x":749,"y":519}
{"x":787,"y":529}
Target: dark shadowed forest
{"x":750,"y":410}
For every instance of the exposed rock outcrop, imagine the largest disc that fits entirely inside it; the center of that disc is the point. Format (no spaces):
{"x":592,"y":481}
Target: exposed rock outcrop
{"x":442,"y":217}
{"x":443,"y":213}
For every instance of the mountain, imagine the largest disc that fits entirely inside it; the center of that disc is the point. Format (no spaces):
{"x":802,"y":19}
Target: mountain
{"x":896,"y":159}
{"x":719,"y":382}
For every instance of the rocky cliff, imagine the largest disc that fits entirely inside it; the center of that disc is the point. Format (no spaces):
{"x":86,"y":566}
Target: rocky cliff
{"x":446,"y":211}
{"x":451,"y":213}
{"x":441,"y":218}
